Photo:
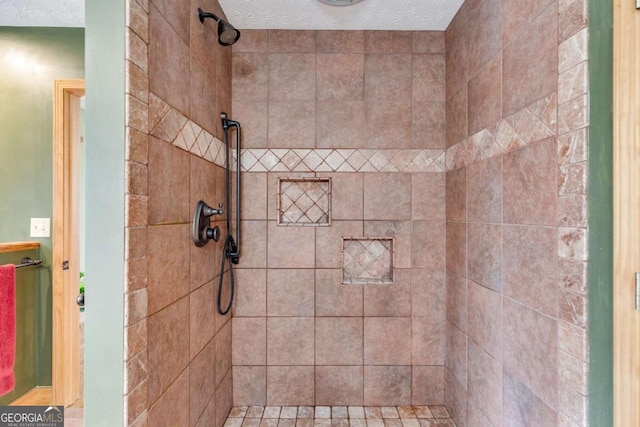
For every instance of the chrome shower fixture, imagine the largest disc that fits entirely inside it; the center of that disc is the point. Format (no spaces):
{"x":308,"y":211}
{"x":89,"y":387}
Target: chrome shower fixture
{"x":340,"y":2}
{"x":227,"y":33}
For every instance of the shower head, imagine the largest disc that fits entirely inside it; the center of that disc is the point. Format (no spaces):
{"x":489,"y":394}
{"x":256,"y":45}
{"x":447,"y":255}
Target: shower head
{"x":227,"y":33}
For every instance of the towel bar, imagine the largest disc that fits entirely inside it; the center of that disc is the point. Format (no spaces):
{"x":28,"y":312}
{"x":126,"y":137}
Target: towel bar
{"x":28,"y":262}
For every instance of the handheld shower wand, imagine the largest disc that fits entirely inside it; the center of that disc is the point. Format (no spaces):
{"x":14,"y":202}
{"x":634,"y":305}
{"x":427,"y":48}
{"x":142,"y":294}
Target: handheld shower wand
{"x":231,"y":250}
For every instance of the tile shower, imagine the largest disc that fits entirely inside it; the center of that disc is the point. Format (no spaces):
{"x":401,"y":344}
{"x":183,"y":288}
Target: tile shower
{"x":352,"y":311}
{"x":452,"y":164}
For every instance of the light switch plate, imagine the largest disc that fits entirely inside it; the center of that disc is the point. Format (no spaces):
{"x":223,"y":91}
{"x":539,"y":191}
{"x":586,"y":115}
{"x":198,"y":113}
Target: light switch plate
{"x":40,"y":227}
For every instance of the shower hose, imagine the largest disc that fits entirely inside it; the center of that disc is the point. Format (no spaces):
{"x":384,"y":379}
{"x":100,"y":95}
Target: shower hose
{"x":227,"y":254}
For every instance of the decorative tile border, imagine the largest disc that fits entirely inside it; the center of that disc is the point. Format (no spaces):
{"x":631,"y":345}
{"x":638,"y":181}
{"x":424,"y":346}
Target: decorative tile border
{"x":173,"y":127}
{"x":367,"y":260}
{"x":304,"y":201}
{"x":342,"y":160}
{"x":534,"y":123}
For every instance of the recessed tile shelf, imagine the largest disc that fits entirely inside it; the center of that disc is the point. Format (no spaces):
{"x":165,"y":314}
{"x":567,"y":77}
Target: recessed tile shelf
{"x":304,"y":201}
{"x":367,"y":260}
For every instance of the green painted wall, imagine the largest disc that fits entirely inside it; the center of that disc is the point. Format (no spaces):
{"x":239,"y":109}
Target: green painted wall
{"x":600,"y":214}
{"x":30,"y":60}
{"x":105,"y":154}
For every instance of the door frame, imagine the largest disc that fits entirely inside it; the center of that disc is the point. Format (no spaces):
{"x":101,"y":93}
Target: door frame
{"x":65,"y":240}
{"x":626,"y":205}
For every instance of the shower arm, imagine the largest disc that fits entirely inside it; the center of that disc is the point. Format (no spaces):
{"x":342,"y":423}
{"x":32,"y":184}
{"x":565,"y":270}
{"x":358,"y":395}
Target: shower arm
{"x":226,"y":124}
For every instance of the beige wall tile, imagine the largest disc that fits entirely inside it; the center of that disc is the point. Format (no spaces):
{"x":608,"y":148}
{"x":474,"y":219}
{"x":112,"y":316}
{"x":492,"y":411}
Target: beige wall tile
{"x":202,"y":306}
{"x":428,"y":77}
{"x":168,"y":184}
{"x":250,"y":77}
{"x":388,"y":124}
{"x":172,"y":408}
{"x":290,"y":292}
{"x":485,"y":255}
{"x":340,"y":124}
{"x":387,"y":341}
{"x":339,"y":385}
{"x":457,"y":300}
{"x":387,"y":385}
{"x":428,"y":42}
{"x":249,"y":343}
{"x":530,"y":267}
{"x":530,"y":62}
{"x":340,"y":77}
{"x":427,"y":341}
{"x":252,"y":41}
{"x":485,"y":96}
{"x":387,"y":42}
{"x":251,"y":293}
{"x":339,"y":341}
{"x":429,"y":125}
{"x":539,"y":184}
{"x":389,"y":299}
{"x":201,"y":381}
{"x":427,"y":385}
{"x":292,"y":77}
{"x":168,"y":60}
{"x":223,"y":343}
{"x":335,"y":299}
{"x":485,"y":319}
{"x":521,"y":404}
{"x":484,"y":181}
{"x":290,"y":385}
{"x":291,"y":247}
{"x":291,"y":124}
{"x":287,"y":41}
{"x":530,"y":349}
{"x":484,"y":32}
{"x":387,"y":196}
{"x":485,"y":383}
{"x":249,"y":385}
{"x":168,"y":265}
{"x":168,"y":338}
{"x":340,"y":41}
{"x":456,"y":353}
{"x":290,"y":341}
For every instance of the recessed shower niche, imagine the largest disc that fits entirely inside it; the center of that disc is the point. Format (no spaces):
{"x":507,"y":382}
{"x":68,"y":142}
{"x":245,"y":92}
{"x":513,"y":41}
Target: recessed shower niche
{"x":367,"y":260}
{"x":304,"y":201}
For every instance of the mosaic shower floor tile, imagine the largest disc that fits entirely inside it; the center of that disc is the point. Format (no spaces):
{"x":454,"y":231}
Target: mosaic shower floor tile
{"x":339,"y":416}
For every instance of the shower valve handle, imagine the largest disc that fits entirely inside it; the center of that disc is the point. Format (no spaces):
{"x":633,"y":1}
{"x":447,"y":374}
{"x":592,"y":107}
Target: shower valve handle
{"x":209,"y":211}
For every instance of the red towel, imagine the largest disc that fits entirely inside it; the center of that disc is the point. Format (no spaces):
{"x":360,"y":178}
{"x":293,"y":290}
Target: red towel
{"x":7,"y":327}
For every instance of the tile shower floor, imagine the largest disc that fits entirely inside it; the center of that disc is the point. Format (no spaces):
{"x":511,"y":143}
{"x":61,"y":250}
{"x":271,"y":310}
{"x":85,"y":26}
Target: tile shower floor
{"x":339,"y":416}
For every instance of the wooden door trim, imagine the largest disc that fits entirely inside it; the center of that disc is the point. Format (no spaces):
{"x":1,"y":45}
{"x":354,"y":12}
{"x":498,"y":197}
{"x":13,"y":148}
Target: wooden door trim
{"x":626,"y":244}
{"x":65,"y":350}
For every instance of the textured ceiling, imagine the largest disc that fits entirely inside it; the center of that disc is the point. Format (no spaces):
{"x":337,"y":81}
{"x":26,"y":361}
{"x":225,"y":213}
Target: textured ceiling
{"x":42,"y":13}
{"x":264,"y":14}
{"x":367,"y":15}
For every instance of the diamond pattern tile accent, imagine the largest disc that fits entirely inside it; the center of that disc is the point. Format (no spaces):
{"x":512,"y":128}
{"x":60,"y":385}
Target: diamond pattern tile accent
{"x":304,"y":201}
{"x":367,"y":260}
{"x":531,"y":124}
{"x":342,"y":160}
{"x":175,"y":128}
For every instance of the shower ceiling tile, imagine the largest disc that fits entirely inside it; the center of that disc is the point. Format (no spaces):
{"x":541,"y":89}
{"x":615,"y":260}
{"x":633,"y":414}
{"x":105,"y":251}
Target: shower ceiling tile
{"x":368,"y":15}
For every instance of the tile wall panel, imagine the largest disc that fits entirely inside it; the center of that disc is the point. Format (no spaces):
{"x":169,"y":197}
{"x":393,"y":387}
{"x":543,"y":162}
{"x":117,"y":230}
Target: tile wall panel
{"x":367,"y":110}
{"x":174,"y":158}
{"x":517,"y":183}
